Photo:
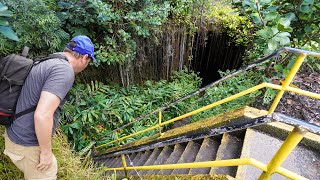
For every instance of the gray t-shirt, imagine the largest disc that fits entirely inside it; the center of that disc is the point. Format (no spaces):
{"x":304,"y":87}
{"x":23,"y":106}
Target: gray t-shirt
{"x":55,"y":76}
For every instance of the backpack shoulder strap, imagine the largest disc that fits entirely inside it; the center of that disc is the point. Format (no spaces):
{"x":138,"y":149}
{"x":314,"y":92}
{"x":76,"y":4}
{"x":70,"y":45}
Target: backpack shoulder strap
{"x":24,"y":112}
{"x":51,"y":56}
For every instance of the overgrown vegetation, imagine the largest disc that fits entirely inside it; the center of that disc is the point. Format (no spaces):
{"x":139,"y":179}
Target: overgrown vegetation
{"x":70,"y":165}
{"x":224,"y":19}
{"x":281,"y":23}
{"x":93,"y":111}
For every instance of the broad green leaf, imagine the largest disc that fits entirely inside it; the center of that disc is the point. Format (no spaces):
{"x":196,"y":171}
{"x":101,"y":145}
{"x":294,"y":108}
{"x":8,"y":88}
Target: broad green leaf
{"x":6,"y":13}
{"x":308,"y":29}
{"x":255,"y":18}
{"x":272,"y":45}
{"x":274,"y":30}
{"x":3,"y":22}
{"x":284,"y":34}
{"x":282,"y":28}
{"x":290,"y":16}
{"x":290,"y":64}
{"x":285,"y":72}
{"x":307,"y":2}
{"x":75,"y":125}
{"x":270,"y":16}
{"x":284,"y":40}
{"x":265,"y":1}
{"x":3,"y":7}
{"x":9,"y":33}
{"x":304,"y":16}
{"x":305,"y":9}
{"x":265,"y":33}
{"x":278,"y":67}
{"x":285,"y":22}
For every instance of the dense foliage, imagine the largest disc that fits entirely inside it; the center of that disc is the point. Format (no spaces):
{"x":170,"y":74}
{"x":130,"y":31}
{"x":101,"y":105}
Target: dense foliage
{"x":224,"y":19}
{"x":282,"y":23}
{"x":115,"y":26}
{"x":96,"y":109}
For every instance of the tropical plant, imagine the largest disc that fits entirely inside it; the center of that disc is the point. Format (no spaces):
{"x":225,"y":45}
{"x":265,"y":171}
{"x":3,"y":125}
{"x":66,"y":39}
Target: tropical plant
{"x":37,"y":26}
{"x":4,"y":29}
{"x":95,"y":110}
{"x":282,"y":23}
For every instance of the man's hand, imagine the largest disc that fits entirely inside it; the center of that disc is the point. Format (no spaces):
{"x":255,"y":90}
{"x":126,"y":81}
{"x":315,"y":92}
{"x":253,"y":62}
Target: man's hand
{"x":45,"y":160}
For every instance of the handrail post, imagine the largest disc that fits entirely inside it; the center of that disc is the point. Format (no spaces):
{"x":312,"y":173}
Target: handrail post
{"x":287,"y":81}
{"x":160,"y":122}
{"x":117,"y":138}
{"x":124,"y":163}
{"x":288,"y":145}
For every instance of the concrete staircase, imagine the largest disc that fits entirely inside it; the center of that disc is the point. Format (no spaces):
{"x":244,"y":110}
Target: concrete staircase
{"x":260,"y":143}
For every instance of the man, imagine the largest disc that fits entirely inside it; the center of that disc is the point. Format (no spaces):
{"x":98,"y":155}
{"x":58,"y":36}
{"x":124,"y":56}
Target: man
{"x":28,"y":138}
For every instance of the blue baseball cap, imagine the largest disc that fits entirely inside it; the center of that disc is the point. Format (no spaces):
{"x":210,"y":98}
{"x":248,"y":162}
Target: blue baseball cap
{"x":83,"y":46}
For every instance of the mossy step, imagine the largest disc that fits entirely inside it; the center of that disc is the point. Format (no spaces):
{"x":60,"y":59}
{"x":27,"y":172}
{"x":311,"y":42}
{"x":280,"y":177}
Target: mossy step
{"x":183,"y":177}
{"x":230,"y":148}
{"x":189,"y":155}
{"x":174,"y":157}
{"x":207,"y":152}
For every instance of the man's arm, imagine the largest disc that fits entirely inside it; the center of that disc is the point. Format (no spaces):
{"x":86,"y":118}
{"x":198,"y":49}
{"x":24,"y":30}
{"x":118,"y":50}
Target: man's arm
{"x":43,"y":122}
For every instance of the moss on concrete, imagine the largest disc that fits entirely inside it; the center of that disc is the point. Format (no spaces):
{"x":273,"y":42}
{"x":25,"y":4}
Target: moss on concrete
{"x":240,"y":114}
{"x":183,"y":177}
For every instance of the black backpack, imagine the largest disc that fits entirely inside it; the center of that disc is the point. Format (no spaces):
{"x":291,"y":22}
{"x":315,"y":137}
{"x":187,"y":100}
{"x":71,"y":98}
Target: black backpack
{"x":14,"y":69}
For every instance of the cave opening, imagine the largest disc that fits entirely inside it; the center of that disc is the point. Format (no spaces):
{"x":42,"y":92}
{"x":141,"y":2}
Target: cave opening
{"x":213,"y":52}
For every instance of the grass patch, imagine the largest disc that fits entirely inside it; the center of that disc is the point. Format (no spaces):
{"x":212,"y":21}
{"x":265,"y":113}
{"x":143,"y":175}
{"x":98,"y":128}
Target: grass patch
{"x":70,"y":165}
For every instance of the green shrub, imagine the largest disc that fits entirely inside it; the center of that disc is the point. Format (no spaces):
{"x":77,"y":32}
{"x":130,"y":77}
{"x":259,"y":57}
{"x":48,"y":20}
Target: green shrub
{"x":37,"y":27}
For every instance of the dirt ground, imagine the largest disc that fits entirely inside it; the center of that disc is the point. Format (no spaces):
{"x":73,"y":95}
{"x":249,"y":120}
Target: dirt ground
{"x":299,"y":106}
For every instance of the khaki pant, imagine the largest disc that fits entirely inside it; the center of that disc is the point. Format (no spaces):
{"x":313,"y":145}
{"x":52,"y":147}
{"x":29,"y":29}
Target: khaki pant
{"x":26,"y":158}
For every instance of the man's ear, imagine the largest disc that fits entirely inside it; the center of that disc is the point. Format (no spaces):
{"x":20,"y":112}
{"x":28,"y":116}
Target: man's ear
{"x":84,"y":58}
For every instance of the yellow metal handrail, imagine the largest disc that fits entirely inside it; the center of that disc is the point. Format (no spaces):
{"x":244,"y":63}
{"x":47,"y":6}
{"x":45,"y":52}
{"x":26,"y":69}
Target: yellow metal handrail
{"x":274,"y":165}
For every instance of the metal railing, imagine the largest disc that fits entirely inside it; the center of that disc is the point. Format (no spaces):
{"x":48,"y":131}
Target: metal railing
{"x":274,"y":166}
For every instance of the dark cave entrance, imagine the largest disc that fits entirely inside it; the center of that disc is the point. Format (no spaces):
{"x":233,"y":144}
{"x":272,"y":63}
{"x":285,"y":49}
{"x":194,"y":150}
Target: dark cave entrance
{"x":213,"y":52}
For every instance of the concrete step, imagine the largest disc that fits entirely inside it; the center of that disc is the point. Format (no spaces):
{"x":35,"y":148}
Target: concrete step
{"x":118,"y":163}
{"x":132,"y":156}
{"x":162,"y":158}
{"x":112,"y":163}
{"x":174,"y":157}
{"x":207,"y":152}
{"x":153,"y":157}
{"x":189,"y":155}
{"x":136,"y":159}
{"x":108,"y":161}
{"x":144,"y":157}
{"x":263,"y":147}
{"x":230,"y":148}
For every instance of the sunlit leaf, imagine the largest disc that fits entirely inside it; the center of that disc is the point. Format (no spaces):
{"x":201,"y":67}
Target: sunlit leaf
{"x":270,"y":16}
{"x":9,"y":33}
{"x":272,"y":45}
